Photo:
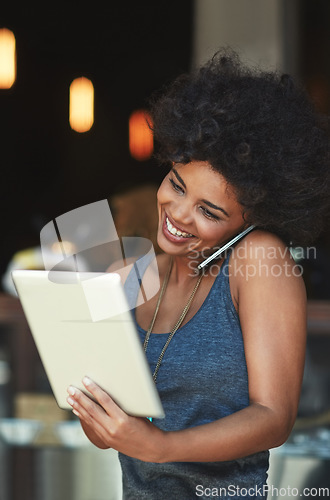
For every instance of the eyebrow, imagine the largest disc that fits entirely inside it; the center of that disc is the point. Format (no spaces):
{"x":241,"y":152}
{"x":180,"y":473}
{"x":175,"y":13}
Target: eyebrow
{"x":211,"y":205}
{"x":178,"y":177}
{"x":208,"y":203}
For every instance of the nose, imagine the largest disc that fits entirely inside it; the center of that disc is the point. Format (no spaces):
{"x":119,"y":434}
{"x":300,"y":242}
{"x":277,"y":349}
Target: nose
{"x":181,"y":212}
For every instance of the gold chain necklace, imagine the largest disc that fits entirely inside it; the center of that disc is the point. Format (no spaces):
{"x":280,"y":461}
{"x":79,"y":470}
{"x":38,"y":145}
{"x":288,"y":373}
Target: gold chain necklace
{"x":177,"y":324}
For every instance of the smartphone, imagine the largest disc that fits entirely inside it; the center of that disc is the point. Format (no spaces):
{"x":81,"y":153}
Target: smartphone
{"x":216,"y":254}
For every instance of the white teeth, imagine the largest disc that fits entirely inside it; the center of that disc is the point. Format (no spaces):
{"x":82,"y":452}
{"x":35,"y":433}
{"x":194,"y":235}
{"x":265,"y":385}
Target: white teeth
{"x":175,"y":231}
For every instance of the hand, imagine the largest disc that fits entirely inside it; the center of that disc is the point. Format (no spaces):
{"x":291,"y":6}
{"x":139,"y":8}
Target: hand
{"x":108,"y":426}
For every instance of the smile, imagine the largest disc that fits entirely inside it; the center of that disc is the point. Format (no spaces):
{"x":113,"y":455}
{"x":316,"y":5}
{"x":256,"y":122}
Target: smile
{"x":176,"y":232}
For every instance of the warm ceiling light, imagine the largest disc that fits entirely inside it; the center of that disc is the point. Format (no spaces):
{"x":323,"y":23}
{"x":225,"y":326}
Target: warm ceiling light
{"x":7,"y":58}
{"x":140,"y":136}
{"x":81,"y":112}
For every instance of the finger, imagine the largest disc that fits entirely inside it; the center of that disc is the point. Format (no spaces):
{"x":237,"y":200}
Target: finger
{"x":87,"y":410}
{"x":103,"y":398}
{"x":93,"y":430}
{"x":84,"y":405}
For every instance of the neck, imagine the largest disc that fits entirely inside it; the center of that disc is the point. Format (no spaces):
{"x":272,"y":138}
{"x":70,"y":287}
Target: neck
{"x":184,"y":270}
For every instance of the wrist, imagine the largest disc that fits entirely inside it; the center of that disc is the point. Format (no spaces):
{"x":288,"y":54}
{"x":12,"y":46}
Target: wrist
{"x":163,"y":452}
{"x":156,"y":450}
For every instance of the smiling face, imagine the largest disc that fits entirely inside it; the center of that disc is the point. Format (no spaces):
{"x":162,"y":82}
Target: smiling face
{"x":197,"y":210}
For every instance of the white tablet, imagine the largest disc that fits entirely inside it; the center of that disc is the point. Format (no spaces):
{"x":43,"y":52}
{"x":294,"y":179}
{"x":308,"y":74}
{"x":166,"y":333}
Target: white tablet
{"x":82,"y":325}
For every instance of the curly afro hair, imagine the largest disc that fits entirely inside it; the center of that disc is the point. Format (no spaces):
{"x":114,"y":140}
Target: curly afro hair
{"x":260,"y":131}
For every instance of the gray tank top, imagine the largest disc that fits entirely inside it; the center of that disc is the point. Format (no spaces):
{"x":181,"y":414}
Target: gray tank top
{"x":202,"y":378}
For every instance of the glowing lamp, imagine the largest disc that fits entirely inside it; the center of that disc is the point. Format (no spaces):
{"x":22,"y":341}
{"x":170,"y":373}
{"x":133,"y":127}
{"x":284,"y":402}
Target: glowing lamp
{"x":81,"y":106}
{"x":7,"y":58}
{"x":140,"y":136}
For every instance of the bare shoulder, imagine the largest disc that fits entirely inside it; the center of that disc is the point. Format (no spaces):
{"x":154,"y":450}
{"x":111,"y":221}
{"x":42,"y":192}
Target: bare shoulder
{"x":121,"y":267}
{"x":124,"y":267}
{"x":262,"y":260}
{"x":263,"y":249}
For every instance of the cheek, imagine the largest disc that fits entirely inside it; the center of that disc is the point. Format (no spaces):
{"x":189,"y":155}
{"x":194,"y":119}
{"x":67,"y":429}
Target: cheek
{"x":159,"y":195}
{"x":162,"y":193}
{"x":160,"y":200}
{"x":214,"y":233}
{"x":209,"y":231}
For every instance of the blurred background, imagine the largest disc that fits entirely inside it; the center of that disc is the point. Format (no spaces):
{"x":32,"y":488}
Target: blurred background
{"x":126,"y":51}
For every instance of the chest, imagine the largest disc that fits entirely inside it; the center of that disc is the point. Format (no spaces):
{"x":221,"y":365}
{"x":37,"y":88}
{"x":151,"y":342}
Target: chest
{"x":174,"y":303}
{"x":203,"y":366}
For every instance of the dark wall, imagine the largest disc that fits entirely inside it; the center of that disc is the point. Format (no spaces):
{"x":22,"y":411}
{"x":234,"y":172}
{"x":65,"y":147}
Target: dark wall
{"x":128,"y":49}
{"x":314,"y":27}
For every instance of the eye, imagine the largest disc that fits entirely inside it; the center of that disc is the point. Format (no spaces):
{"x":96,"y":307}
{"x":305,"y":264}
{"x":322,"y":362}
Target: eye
{"x":176,"y":186}
{"x":208,"y":214}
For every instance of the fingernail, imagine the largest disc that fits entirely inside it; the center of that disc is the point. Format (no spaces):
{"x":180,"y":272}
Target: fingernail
{"x":70,"y":401}
{"x":87,"y":381}
{"x":71,"y":390}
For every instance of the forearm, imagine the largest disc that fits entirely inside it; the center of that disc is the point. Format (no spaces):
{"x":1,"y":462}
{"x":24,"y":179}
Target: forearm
{"x":253,"y":429}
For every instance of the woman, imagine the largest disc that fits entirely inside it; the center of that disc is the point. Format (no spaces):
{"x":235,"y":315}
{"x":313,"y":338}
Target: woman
{"x":245,"y":147}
